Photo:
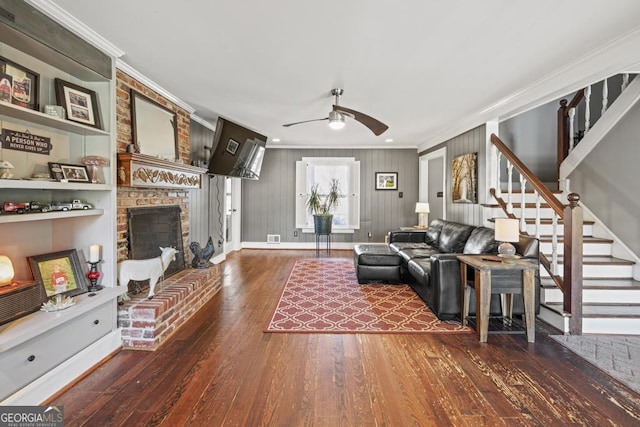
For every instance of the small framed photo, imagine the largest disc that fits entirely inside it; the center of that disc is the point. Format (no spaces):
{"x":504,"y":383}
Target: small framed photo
{"x":71,"y":173}
{"x":59,"y":272}
{"x":81,"y":104}
{"x":232,"y":146}
{"x":386,"y":180}
{"x":23,"y":84}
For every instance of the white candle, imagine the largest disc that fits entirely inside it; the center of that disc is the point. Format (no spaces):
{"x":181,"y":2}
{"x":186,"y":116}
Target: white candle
{"x":94,"y":253}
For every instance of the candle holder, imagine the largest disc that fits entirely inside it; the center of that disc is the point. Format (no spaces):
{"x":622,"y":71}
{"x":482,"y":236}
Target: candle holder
{"x":93,"y":275}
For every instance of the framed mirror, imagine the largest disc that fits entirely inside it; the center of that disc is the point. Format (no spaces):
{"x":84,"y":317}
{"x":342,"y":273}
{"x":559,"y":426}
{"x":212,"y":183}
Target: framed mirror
{"x":154,"y":128}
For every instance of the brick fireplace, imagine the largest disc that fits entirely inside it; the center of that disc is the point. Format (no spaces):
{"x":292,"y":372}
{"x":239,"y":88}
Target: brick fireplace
{"x":147,"y":323}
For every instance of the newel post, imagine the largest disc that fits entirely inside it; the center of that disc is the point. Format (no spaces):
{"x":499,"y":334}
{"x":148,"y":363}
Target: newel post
{"x":572,"y":280}
{"x":563,"y":133}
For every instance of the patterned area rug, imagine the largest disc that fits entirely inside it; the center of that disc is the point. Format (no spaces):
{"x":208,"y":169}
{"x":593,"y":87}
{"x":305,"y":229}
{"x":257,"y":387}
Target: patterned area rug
{"x":323,"y":296}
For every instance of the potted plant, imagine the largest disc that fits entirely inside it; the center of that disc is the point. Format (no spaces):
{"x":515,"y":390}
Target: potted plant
{"x":320,"y":205}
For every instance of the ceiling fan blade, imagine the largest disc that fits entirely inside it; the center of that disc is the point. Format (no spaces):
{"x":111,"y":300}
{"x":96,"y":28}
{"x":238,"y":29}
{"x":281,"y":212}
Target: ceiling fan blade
{"x":376,"y":126}
{"x":305,"y":121}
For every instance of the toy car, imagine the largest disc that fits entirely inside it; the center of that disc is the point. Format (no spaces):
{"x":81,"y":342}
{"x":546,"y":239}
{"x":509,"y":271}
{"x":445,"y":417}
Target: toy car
{"x":17,"y":207}
{"x":73,"y":205}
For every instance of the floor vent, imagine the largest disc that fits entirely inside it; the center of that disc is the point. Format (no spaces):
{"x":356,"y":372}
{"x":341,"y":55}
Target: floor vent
{"x":273,"y":238}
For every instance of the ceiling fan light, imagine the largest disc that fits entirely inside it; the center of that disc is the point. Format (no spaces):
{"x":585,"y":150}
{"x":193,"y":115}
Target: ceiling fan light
{"x":336,"y":120}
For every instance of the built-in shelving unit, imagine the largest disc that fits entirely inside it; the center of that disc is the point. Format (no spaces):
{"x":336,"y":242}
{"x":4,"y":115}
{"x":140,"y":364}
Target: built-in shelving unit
{"x":26,"y":217}
{"x":43,"y":119}
{"x":42,"y":352}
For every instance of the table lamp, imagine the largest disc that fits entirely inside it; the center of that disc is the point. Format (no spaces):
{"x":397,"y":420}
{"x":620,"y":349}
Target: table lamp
{"x":507,"y":230}
{"x":422,"y":209}
{"x":6,"y":270}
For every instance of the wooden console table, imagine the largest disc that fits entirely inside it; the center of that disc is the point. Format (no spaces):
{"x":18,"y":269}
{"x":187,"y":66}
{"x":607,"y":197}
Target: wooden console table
{"x":483,"y":265}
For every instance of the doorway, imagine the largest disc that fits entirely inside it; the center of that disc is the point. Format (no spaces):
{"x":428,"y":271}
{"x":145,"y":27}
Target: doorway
{"x":432,"y":188}
{"x":232,"y":192}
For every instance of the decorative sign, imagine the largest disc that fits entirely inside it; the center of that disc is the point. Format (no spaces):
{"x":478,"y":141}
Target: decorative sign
{"x":25,"y":141}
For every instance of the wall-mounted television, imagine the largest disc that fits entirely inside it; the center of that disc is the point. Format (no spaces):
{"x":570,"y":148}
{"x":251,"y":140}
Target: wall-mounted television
{"x":236,"y":151}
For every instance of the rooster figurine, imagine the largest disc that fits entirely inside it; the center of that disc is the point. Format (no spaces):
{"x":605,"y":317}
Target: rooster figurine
{"x":201,"y":255}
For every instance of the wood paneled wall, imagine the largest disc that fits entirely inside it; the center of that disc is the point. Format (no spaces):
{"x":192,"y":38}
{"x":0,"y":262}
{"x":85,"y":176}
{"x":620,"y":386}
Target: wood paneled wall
{"x":472,"y":141}
{"x":207,"y":204}
{"x":268,"y":205}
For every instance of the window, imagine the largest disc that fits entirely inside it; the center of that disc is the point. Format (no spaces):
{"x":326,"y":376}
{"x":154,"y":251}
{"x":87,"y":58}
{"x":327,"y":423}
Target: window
{"x":320,"y":170}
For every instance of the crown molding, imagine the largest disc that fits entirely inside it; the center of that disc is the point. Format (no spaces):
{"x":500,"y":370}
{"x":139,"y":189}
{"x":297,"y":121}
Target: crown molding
{"x":203,"y":122}
{"x":390,"y":146}
{"x":128,"y":69}
{"x":64,"y":18}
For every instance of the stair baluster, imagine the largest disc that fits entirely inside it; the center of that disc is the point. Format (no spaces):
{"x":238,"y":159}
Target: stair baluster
{"x":498,"y":186}
{"x":587,"y":111}
{"x":509,"y":187}
{"x":625,"y":82}
{"x":572,"y":115}
{"x":554,"y":244}
{"x":538,"y":214}
{"x":523,"y":223}
{"x":605,"y":96}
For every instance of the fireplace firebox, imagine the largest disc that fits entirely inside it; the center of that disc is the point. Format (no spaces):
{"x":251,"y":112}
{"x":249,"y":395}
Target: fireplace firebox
{"x":153,"y":227}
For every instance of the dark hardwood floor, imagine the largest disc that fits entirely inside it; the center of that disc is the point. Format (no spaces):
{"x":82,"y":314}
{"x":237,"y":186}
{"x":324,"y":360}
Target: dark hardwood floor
{"x":220,"y":369}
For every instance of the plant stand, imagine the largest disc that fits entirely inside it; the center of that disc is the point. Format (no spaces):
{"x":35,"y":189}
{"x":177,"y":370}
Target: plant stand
{"x":322,"y":226}
{"x":319,"y":241}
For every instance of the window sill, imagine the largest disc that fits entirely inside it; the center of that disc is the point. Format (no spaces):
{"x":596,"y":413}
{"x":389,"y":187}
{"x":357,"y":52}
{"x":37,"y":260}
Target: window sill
{"x":334,"y":230}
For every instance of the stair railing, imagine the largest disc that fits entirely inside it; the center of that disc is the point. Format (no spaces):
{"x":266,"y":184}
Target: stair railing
{"x":569,"y":132}
{"x":570,"y":283}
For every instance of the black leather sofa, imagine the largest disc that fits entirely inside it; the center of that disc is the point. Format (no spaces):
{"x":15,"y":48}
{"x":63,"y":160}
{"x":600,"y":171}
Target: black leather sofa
{"x":431,"y":267}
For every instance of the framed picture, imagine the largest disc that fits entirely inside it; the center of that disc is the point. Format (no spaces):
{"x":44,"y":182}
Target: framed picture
{"x":232,"y":146}
{"x":72,"y":173}
{"x":23,"y":89}
{"x":59,"y":272}
{"x":81,"y":104}
{"x":386,"y":180}
{"x":464,"y":172}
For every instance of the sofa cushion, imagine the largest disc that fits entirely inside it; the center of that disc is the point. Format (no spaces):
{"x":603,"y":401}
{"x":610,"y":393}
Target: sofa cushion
{"x":402,"y":246}
{"x":408,"y":254}
{"x":481,"y":241}
{"x":433,"y":232}
{"x":420,"y":268}
{"x":528,"y":247}
{"x":453,"y":237}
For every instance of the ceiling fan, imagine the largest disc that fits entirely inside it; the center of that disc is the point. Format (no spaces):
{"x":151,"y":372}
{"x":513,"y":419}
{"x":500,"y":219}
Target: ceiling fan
{"x":337,"y":117}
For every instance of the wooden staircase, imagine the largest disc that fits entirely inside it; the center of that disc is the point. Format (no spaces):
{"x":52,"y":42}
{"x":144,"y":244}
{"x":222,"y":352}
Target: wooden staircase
{"x":610,"y":295}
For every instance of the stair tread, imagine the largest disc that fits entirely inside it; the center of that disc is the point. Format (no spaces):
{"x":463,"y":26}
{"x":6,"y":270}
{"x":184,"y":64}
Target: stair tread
{"x":547,"y":221}
{"x":515,"y":205}
{"x":597,"y":260}
{"x":585,"y":239}
{"x":602,"y":310}
{"x":603,"y":283}
{"x":529,"y":191}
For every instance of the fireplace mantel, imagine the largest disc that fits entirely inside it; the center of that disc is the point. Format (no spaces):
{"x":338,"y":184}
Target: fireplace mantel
{"x":140,"y":170}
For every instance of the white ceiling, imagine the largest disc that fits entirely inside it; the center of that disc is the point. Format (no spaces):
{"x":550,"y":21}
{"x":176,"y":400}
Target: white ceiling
{"x":429,"y":69}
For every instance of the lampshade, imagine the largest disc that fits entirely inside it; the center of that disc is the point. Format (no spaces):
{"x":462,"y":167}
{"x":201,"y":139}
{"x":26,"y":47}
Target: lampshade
{"x":336,"y":120}
{"x":422,"y":207}
{"x":6,"y":270}
{"x":507,"y":230}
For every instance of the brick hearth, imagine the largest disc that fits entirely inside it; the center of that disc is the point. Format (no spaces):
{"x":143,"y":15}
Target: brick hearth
{"x":146,"y":324}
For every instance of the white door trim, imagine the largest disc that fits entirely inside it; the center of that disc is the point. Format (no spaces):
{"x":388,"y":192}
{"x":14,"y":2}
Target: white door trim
{"x":235,"y":208}
{"x":423,"y":185}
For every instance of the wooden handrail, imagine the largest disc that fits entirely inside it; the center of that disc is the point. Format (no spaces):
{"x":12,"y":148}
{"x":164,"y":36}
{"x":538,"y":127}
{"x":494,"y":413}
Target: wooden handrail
{"x":535,"y":182}
{"x":579,"y":96}
{"x":571,"y":214}
{"x":563,"y":132}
